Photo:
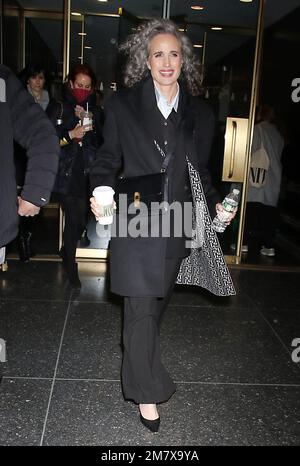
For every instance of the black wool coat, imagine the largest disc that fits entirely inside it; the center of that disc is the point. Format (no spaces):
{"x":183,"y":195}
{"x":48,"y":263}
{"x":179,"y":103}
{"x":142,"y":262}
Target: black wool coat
{"x":23,"y":120}
{"x":75,"y":159}
{"x":137,"y":264}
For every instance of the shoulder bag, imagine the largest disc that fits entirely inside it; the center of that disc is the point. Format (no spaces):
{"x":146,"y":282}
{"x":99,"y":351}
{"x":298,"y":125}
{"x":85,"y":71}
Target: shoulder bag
{"x":259,"y":165}
{"x":145,"y":188}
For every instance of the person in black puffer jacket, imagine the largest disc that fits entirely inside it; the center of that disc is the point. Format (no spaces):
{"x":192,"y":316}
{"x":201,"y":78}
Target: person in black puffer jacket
{"x":79,"y":144}
{"x":24,"y":121}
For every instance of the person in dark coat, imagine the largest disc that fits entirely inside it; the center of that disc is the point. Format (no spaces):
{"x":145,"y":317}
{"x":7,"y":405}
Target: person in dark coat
{"x":33,"y":77}
{"x":23,"y":120}
{"x":79,"y":144}
{"x":157,"y":118}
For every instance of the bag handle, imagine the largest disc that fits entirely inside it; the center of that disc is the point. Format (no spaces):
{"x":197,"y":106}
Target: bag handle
{"x":260,"y":135}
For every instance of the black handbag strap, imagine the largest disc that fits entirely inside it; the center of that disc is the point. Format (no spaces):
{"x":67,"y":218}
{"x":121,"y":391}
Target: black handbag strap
{"x":167,"y":158}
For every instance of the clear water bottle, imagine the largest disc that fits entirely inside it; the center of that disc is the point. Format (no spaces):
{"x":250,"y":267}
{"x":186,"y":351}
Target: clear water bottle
{"x":229,"y":204}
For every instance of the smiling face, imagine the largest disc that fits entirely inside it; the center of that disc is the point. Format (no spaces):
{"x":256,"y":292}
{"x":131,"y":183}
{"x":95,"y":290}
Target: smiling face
{"x":165,"y":60}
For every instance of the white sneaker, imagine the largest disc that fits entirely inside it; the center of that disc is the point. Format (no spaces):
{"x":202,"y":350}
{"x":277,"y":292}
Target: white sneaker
{"x":267,"y":251}
{"x":244,"y":247}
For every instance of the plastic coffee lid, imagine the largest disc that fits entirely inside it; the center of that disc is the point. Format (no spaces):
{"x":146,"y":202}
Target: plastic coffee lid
{"x":103,"y":189}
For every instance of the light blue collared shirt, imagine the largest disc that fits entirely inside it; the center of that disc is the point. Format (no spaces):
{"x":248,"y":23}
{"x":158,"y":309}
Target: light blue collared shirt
{"x":164,"y":106}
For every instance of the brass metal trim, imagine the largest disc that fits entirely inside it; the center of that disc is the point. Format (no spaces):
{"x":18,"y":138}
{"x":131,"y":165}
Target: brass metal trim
{"x":266,"y":268}
{"x":254,"y":97}
{"x":61,"y":227}
{"x":204,"y":48}
{"x":235,"y":151}
{"x":91,"y":253}
{"x":63,"y":142}
{"x":82,"y":39}
{"x":67,"y":26}
{"x":231,"y":259}
{"x":137,"y":199}
{"x":233,"y":146}
{"x":102,"y":254}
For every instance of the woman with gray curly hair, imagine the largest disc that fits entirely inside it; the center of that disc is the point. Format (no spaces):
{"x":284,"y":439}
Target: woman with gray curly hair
{"x":137,"y":50}
{"x":158,"y":122}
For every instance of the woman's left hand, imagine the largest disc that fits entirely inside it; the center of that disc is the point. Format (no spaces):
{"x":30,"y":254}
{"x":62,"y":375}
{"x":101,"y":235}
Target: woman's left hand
{"x":220,"y":208}
{"x":78,"y":110}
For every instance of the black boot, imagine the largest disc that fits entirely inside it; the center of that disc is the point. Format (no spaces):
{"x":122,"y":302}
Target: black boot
{"x":28,"y":242}
{"x":22,"y":246}
{"x":84,"y":241}
{"x":62,"y":254}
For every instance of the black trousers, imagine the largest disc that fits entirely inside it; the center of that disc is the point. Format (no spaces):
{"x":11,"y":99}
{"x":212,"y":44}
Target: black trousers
{"x":261,"y":223}
{"x":144,"y":377}
{"x":75,"y":210}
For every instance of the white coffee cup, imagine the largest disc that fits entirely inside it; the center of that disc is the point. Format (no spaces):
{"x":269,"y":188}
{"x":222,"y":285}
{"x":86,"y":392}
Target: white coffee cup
{"x":104,"y":196}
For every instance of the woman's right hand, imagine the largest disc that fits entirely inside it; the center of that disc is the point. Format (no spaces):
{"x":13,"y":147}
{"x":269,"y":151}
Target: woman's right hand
{"x":77,"y":132}
{"x":96,"y":209}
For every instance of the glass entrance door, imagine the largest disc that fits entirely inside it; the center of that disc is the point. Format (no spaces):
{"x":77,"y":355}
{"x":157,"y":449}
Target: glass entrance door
{"x":226,"y":37}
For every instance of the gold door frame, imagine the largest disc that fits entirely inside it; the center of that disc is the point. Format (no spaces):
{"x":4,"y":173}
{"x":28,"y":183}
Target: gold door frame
{"x":254,"y":100}
{"x":238,"y":141}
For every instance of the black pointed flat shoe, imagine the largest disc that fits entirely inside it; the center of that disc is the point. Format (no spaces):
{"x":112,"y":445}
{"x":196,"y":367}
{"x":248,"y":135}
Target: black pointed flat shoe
{"x":152,"y":425}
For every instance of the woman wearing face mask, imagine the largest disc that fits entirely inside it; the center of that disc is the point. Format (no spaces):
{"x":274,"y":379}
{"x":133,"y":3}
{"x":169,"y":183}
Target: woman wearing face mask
{"x":79,"y":143}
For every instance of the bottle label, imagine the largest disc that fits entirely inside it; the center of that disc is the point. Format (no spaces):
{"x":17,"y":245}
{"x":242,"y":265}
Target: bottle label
{"x":229,"y":207}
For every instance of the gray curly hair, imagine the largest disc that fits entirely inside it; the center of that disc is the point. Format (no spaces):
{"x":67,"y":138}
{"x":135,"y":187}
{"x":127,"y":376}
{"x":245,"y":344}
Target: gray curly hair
{"x":136,"y":47}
